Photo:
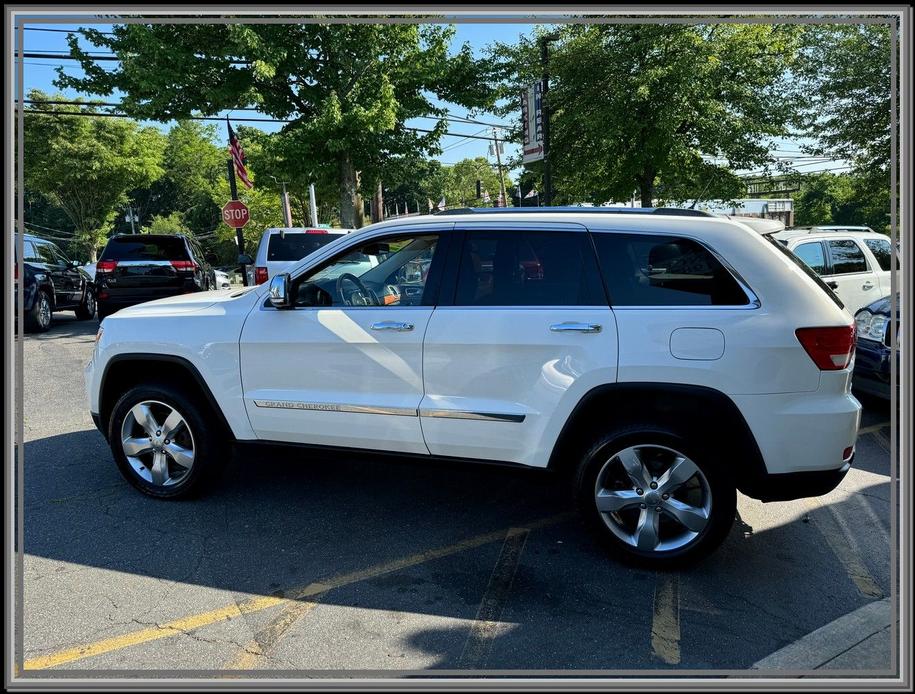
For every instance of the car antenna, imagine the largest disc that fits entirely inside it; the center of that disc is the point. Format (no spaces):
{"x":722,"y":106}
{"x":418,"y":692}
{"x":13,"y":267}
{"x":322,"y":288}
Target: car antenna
{"x":702,"y":194}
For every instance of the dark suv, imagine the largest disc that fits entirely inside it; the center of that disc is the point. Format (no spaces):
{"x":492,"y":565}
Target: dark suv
{"x":141,"y":267}
{"x":51,"y":282}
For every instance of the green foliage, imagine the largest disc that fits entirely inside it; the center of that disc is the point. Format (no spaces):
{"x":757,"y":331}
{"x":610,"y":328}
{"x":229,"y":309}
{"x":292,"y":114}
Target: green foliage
{"x":85,"y":166}
{"x":172,"y":224}
{"x":460,"y":184}
{"x":841,"y":199}
{"x":349,"y":88}
{"x":644,"y":107}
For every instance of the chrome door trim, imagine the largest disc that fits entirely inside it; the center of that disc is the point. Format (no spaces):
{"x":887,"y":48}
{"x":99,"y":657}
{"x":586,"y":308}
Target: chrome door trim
{"x":572,"y":327}
{"x":334,"y":407}
{"x":467,"y":414}
{"x":397,"y":326}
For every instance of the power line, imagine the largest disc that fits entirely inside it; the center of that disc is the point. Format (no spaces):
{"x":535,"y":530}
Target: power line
{"x":65,"y":31}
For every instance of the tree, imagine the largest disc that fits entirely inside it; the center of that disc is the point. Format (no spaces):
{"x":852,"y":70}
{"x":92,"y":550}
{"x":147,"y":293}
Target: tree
{"x":828,"y":198}
{"x":658,"y":108}
{"x":347,"y":88}
{"x":173,"y":224}
{"x":85,"y":165}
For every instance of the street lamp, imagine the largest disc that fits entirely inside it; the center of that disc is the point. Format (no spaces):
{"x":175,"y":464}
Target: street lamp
{"x":545,"y":109}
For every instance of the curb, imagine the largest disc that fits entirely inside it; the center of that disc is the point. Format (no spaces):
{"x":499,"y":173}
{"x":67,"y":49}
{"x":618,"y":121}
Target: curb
{"x":828,"y":643}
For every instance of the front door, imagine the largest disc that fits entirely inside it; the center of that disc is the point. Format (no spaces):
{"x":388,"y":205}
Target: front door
{"x":344,"y":367}
{"x":522,"y":332}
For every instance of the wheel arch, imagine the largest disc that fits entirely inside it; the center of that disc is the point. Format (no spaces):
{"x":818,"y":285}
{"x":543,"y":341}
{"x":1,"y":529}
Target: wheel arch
{"x":122,"y":373}
{"x":699,"y":409}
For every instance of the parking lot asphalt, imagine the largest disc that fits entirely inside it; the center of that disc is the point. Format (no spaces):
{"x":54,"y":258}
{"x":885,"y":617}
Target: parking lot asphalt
{"x":297,"y":562}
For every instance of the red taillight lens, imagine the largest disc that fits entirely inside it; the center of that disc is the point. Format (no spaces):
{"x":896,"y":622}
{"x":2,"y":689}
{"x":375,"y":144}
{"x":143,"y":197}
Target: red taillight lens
{"x":184,"y":265}
{"x":316,"y":231}
{"x":15,"y":271}
{"x":830,"y":348}
{"x":106,"y":266}
{"x":260,"y":275}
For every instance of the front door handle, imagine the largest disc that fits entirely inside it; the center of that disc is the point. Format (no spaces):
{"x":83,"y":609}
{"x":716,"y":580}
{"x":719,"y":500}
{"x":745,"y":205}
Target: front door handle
{"x":832,"y":285}
{"x":867,"y":285}
{"x":575,"y":328}
{"x":392,"y":325}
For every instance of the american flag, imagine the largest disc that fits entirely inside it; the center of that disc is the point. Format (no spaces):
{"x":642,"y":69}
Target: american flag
{"x":238,"y":156}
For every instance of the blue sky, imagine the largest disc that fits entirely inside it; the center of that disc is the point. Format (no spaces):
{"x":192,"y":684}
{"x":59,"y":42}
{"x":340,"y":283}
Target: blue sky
{"x":39,"y":73}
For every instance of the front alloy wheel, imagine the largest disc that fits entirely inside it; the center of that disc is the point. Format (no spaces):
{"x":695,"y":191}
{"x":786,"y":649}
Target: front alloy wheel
{"x":158,"y":443}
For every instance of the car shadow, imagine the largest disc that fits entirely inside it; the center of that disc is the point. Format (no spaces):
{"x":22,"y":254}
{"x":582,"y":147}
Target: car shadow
{"x":280,"y":519}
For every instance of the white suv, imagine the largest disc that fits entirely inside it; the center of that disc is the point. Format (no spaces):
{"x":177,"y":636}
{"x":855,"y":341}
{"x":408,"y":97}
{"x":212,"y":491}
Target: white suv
{"x":856,"y":264}
{"x":281,"y":248}
{"x":660,"y":362}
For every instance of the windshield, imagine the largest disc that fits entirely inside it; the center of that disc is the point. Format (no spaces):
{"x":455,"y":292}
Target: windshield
{"x":807,"y":270}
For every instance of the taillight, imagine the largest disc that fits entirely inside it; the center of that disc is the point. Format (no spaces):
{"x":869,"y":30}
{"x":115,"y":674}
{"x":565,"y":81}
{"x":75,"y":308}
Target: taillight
{"x":15,"y":271}
{"x":830,"y":348}
{"x":184,"y":265}
{"x":105,"y":266}
{"x":316,"y":231}
{"x":260,"y":275}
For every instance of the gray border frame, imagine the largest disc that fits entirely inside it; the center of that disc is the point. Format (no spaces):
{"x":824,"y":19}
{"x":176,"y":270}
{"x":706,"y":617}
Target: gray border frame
{"x":451,"y":679}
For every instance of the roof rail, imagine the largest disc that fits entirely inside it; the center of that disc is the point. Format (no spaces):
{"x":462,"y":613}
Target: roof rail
{"x":678,"y":211}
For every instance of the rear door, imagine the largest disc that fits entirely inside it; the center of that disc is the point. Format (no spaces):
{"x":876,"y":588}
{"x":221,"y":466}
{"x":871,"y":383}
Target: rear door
{"x":144,"y":268}
{"x":855,"y":281}
{"x":55,"y":265}
{"x":521,"y":332}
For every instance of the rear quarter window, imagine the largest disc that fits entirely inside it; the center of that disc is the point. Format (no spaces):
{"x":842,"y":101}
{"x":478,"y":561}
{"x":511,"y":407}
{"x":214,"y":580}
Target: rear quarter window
{"x":656,"y":270}
{"x":145,"y":249}
{"x":883,"y":252}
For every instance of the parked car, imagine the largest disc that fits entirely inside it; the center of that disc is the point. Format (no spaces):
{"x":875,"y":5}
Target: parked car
{"x":856,"y":265}
{"x":222,"y":279}
{"x":873,"y":351}
{"x":657,"y":362}
{"x":135,"y":268}
{"x":281,"y":248}
{"x":51,"y":282}
{"x":833,"y":227}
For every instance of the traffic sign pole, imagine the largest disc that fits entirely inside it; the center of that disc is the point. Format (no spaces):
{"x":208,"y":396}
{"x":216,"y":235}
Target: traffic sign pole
{"x":239,"y":235}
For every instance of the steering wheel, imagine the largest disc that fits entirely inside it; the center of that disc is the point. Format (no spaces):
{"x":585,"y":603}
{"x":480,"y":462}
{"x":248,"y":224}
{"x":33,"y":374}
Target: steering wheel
{"x":368,"y":298}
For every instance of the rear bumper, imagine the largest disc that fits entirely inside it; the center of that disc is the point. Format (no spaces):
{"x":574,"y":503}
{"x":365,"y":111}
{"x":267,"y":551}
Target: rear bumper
{"x":797,"y":485}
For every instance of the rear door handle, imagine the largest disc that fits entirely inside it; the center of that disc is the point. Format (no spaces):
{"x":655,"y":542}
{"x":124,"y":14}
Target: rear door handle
{"x":867,"y":285}
{"x":392,"y":325}
{"x":575,"y":328}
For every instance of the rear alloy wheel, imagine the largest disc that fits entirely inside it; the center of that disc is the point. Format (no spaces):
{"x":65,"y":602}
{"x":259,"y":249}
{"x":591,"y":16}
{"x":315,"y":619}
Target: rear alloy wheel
{"x":39,"y":318}
{"x":658,"y":504}
{"x":87,"y":309}
{"x":161,"y":441}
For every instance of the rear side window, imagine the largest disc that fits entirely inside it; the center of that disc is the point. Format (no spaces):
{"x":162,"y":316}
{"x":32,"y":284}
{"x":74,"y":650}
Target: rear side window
{"x":649,"y":270}
{"x":883,"y":252}
{"x":528,"y":268}
{"x":30,"y":253}
{"x":140,"y":248}
{"x":805,"y":268}
{"x":846,"y":256}
{"x":814,"y":255}
{"x":296,"y":246}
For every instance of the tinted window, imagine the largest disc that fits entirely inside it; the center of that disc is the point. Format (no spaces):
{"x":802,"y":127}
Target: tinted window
{"x":145,"y":248}
{"x":296,"y":246}
{"x":528,"y":268}
{"x":882,"y":252}
{"x":30,"y":252}
{"x":648,"y":270}
{"x":813,"y":255}
{"x":805,"y":268}
{"x":46,"y":254}
{"x":846,"y":257}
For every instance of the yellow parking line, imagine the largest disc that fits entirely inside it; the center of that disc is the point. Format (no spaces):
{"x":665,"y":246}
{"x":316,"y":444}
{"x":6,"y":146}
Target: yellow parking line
{"x":843,"y":544}
{"x":665,"y":621}
{"x":234,"y":610}
{"x":270,"y":635}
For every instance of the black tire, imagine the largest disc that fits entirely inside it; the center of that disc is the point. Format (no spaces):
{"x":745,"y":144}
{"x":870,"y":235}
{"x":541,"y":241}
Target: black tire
{"x":40,"y":317}
{"x":714,"y":478}
{"x":208,"y":441}
{"x":86,"y":310}
{"x":101,"y":313}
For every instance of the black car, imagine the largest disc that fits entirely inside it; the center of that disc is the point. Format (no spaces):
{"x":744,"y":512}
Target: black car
{"x":135,"y":268}
{"x":51,"y":282}
{"x":873,"y":348}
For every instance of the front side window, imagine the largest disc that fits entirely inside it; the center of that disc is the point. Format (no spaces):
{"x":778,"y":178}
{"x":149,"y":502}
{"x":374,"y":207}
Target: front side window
{"x":652,"y":270}
{"x":883,"y":252}
{"x":528,"y":268}
{"x":813,"y":255}
{"x":387,"y":272}
{"x":47,"y":255}
{"x":847,"y":257}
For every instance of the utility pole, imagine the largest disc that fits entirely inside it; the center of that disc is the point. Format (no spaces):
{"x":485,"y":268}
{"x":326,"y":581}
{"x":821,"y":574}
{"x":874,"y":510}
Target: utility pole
{"x":284,"y":202}
{"x":130,"y":218}
{"x":312,"y":205}
{"x":495,"y":139}
{"x":545,"y":111}
{"x":239,"y":235}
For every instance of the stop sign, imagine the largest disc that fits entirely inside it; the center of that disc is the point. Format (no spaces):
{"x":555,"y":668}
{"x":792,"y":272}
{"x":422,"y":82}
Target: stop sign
{"x":235,"y":214}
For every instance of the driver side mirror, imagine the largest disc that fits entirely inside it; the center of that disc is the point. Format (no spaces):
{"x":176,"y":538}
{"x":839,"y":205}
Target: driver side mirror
{"x":279,"y":291}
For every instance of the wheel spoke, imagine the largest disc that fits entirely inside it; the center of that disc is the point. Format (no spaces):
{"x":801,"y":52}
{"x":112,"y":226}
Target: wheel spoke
{"x":144,"y":417}
{"x":159,"y":469}
{"x":691,"y":517}
{"x":181,"y":455}
{"x":615,"y":500}
{"x":677,"y":474}
{"x":632,"y":464}
{"x":646,"y":532}
{"x":172,"y":424}
{"x":134,"y":447}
